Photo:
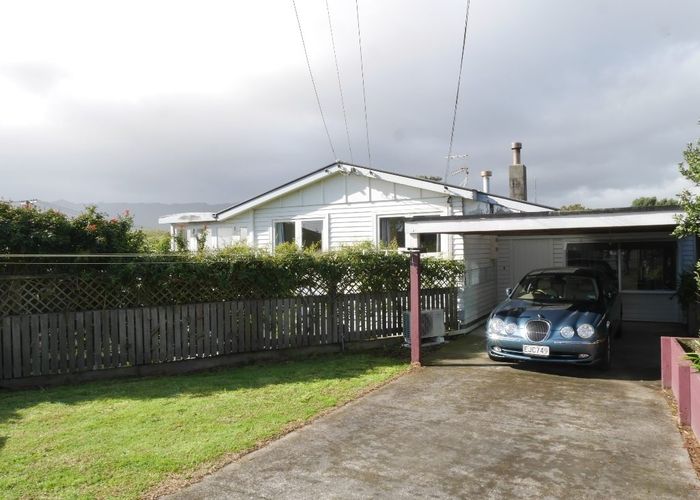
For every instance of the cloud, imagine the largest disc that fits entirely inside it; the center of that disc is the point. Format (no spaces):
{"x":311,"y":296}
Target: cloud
{"x":177,"y":102}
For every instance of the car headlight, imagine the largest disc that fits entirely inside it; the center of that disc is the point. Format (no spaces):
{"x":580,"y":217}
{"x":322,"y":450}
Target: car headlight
{"x":496,"y":326}
{"x":511,"y":328}
{"x":567,"y":332}
{"x":585,"y":331}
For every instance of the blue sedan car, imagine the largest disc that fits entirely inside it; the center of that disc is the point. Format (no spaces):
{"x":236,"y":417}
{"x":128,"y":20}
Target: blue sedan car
{"x":566,"y":315}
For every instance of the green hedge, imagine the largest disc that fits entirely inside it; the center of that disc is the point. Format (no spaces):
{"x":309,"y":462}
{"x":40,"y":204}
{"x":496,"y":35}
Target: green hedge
{"x":241,"y":272}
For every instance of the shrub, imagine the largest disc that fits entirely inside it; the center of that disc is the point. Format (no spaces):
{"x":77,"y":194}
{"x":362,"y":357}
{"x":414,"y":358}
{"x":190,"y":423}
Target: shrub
{"x":29,"y":230}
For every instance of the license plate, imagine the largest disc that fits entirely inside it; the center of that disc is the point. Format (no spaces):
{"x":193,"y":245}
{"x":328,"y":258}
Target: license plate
{"x":536,"y":350}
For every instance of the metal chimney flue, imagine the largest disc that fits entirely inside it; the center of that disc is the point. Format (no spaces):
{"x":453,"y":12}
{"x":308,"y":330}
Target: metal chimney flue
{"x":517,"y":174}
{"x":516,"y":147}
{"x":486,"y":181}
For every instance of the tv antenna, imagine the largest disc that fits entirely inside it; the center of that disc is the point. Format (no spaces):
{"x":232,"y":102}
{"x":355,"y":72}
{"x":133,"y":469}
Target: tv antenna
{"x":462,"y":170}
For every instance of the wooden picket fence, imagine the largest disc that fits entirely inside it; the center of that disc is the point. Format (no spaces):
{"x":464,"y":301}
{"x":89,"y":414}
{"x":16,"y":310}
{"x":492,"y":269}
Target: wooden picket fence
{"x":74,"y":342}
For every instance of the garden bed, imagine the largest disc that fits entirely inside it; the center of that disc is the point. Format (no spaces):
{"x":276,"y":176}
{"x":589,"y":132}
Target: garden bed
{"x":680,"y":361}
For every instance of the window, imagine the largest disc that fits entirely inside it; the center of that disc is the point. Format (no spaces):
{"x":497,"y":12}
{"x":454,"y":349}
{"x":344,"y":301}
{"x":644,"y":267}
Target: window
{"x":601,"y":256}
{"x":305,"y":233}
{"x":429,"y":242}
{"x":284,"y":233}
{"x":392,"y":232}
{"x":311,"y":234}
{"x":557,"y":287}
{"x":641,"y":265}
{"x":648,"y":265}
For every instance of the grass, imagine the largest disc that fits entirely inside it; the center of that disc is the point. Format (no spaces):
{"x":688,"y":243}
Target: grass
{"x":123,"y":438}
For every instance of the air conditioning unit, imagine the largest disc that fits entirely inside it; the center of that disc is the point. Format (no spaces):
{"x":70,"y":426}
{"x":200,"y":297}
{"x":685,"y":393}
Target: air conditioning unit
{"x":432,"y":325}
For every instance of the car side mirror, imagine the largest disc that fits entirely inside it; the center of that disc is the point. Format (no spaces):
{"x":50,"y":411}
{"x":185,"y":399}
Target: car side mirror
{"x":508,"y":292}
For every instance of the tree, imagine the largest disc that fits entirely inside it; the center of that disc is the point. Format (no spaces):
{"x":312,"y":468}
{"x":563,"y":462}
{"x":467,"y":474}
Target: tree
{"x":689,"y":222}
{"x":653,"y":201}
{"x":574,"y":207}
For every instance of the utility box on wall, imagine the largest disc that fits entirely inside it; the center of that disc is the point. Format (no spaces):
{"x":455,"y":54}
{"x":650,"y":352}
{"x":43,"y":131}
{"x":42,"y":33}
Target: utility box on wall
{"x":432,"y":325}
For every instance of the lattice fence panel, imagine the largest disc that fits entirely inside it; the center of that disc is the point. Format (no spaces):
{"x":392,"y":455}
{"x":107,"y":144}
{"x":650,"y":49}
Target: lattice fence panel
{"x":57,"y":293}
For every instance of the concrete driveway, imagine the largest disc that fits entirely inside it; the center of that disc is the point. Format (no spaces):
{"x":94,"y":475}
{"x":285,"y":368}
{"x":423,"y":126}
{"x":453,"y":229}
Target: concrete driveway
{"x":467,"y":427}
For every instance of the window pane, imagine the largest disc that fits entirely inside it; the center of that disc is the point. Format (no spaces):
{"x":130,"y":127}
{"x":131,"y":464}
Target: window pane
{"x":648,"y":266}
{"x":284,"y":232}
{"x":557,"y":288}
{"x":311,"y":233}
{"x":391,"y":230}
{"x":602,"y":256}
{"x":429,"y":242}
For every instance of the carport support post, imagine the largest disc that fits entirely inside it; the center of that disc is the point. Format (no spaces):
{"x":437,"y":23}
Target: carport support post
{"x":414,"y":305}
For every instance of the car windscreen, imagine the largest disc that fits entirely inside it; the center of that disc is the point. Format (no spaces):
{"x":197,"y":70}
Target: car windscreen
{"x":557,"y":288}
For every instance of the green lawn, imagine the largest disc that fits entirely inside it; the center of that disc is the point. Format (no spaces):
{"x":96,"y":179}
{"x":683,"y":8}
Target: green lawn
{"x":123,"y":438}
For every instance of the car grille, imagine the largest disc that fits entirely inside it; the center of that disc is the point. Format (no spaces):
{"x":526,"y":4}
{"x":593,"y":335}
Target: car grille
{"x":537,"y":330}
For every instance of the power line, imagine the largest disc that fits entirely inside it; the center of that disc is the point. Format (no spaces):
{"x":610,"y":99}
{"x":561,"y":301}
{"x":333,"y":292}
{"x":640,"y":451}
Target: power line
{"x":340,"y":85}
{"x":459,"y":82}
{"x":313,"y":82}
{"x":364,"y":92}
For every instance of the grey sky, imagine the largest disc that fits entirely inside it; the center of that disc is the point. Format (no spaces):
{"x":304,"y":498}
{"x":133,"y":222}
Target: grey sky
{"x":210,"y":100}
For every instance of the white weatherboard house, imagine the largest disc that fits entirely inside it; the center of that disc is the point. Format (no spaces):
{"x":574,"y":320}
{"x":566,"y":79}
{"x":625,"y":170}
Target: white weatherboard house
{"x":342,"y":204}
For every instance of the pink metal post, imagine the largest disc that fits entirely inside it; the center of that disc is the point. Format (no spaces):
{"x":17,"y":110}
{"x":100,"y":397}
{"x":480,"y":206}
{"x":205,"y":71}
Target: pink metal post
{"x":414,"y":305}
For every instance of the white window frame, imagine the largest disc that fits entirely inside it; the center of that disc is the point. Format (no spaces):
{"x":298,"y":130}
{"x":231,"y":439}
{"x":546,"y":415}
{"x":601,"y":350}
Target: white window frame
{"x":324,"y":231}
{"x":443,"y":241}
{"x":298,"y":231}
{"x":273,"y":240}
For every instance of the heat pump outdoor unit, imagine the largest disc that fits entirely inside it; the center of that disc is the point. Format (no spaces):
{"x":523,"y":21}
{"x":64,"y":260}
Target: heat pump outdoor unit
{"x":432,"y":325}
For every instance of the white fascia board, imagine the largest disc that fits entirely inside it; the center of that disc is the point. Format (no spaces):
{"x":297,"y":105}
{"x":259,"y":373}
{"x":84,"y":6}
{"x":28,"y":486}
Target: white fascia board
{"x":408,"y":181}
{"x":187,"y":218}
{"x":544,"y":223}
{"x":520,"y":206}
{"x":276,"y":193}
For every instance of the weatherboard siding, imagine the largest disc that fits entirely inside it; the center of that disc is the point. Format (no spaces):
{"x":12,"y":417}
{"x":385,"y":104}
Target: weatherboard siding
{"x":480,"y":278}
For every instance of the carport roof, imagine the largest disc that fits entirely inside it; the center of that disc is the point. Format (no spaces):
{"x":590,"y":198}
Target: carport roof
{"x":609,"y":220}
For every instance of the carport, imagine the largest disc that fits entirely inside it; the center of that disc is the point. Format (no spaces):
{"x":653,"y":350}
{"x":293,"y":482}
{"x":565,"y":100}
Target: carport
{"x":634,"y":243}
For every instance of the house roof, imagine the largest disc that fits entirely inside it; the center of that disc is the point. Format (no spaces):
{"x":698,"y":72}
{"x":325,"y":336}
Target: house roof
{"x":185,"y":218}
{"x":622,"y":219}
{"x":352,"y":169}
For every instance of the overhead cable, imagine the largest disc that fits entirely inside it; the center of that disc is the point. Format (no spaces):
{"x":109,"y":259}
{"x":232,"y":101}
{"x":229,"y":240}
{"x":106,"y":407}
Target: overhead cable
{"x":313,"y":82}
{"x":364,"y":92}
{"x":459,"y":83}
{"x":340,"y":85}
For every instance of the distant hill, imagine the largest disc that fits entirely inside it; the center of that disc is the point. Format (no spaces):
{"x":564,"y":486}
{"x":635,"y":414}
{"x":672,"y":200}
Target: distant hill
{"x":145,"y":214}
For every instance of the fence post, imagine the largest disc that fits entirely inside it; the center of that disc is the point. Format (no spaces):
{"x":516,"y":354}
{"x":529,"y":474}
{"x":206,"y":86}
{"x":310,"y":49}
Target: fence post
{"x":414,"y":305}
